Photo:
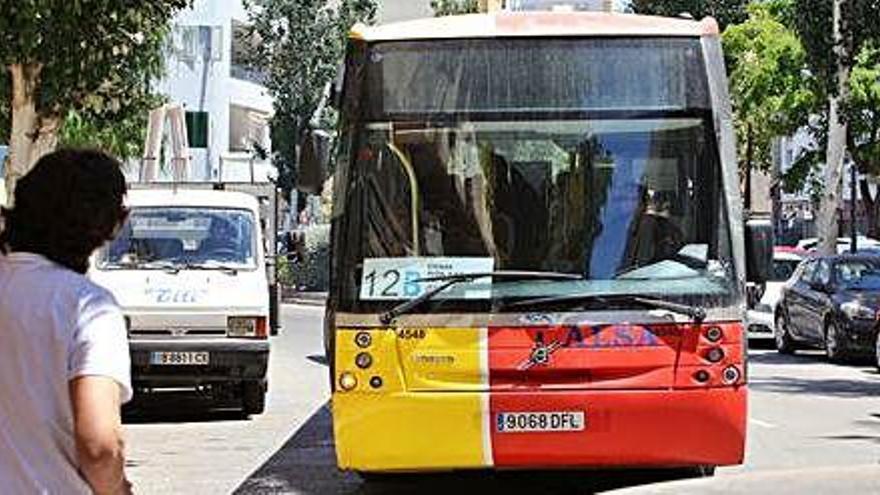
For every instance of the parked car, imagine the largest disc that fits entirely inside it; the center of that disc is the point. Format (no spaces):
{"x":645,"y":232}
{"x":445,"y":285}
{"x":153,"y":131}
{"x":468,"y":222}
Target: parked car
{"x":759,"y":319}
{"x":831,"y":303}
{"x":843,"y":244}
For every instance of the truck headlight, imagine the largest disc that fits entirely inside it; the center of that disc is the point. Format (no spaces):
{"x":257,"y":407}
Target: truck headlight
{"x":246,"y":326}
{"x":856,"y":311}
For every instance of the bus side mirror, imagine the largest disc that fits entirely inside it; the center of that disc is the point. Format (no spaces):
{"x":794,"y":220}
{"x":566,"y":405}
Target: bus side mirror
{"x":759,"y":250}
{"x":313,"y":158}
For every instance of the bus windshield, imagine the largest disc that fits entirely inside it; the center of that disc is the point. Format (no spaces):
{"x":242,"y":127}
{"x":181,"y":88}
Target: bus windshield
{"x":175,"y":237}
{"x":609,"y":174}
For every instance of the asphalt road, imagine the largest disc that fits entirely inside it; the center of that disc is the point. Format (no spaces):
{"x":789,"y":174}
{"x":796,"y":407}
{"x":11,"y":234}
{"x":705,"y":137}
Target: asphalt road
{"x":806,"y":416}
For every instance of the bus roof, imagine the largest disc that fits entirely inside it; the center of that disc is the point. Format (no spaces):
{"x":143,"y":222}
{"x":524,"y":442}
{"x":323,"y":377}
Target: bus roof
{"x":535,"y":24}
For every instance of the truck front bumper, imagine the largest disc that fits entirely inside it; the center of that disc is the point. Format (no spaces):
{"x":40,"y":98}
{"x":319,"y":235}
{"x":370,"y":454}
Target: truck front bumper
{"x":229,"y":361}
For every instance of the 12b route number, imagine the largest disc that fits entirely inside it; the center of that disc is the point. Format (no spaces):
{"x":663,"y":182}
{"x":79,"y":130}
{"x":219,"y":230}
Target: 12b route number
{"x":390,"y":282}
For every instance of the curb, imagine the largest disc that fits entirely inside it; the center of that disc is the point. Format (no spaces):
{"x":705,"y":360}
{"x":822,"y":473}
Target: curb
{"x":305,"y":298}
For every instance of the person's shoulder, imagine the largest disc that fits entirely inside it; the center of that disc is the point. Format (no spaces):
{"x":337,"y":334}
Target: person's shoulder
{"x":81,"y":288}
{"x":89,"y":291}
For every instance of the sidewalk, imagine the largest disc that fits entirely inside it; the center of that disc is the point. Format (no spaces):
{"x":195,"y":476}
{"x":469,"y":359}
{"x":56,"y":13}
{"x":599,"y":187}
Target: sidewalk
{"x":306,"y":298}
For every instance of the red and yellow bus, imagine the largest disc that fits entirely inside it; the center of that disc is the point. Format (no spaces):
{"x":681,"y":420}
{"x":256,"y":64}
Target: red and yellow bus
{"x":538,"y":246}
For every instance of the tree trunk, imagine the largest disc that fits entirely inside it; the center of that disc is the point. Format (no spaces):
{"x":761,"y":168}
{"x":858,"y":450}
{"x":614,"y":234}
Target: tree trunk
{"x":32,"y":135}
{"x":870,"y":205}
{"x":827,"y":221}
{"x":46,"y":139}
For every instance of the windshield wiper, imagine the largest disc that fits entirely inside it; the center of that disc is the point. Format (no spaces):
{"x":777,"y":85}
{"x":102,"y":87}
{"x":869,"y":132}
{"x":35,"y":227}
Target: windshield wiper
{"x":117,"y":265}
{"x":697,"y":313}
{"x":212,"y":265}
{"x":450,"y":280}
{"x":168,"y":266}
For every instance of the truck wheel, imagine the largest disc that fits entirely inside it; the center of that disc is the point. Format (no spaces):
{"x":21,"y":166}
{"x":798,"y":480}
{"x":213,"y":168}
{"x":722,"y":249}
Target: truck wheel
{"x":253,"y":397}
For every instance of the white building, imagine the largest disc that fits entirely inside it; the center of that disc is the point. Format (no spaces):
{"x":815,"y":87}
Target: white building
{"x":227,"y":108}
{"x":402,"y":10}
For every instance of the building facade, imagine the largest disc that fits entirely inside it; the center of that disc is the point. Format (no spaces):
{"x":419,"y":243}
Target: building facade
{"x":227,"y":107}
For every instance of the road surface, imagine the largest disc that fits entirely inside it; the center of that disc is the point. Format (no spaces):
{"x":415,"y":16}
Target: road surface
{"x":804,"y":414}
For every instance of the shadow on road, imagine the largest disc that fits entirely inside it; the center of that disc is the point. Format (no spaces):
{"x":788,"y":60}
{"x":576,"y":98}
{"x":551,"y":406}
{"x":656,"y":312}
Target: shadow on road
{"x":774,"y":357}
{"x":178,"y":407}
{"x":806,"y":357}
{"x":762,"y":344}
{"x":318,"y":358}
{"x":872,"y":436}
{"x":831,"y":387}
{"x":306,"y":464}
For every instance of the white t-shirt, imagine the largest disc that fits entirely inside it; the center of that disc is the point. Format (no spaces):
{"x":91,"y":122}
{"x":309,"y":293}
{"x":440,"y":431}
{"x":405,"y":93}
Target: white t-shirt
{"x":55,"y":325}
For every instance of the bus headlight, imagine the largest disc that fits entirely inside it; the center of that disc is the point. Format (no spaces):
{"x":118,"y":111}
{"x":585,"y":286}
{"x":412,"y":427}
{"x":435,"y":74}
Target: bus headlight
{"x":701,"y":376}
{"x":246,"y":326}
{"x":363,"y":360}
{"x":730,"y":375}
{"x":363,"y":339}
{"x":714,"y":334}
{"x":715,"y":355}
{"x":347,"y":381}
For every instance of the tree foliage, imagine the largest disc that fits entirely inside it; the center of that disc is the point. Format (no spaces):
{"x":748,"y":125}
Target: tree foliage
{"x":859,"y":27}
{"x":726,"y":12}
{"x":300,"y":44}
{"x":863,"y":111}
{"x":94,"y":57}
{"x":772,"y":93}
{"x":454,"y":7}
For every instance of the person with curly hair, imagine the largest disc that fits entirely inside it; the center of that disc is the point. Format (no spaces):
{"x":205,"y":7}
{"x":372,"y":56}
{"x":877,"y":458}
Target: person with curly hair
{"x":64,"y":359}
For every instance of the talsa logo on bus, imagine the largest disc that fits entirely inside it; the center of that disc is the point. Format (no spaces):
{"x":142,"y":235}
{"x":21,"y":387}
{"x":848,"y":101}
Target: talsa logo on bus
{"x":597,"y":336}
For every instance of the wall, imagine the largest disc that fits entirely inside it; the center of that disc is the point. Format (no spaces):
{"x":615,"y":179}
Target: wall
{"x":403,"y":10}
{"x":205,"y":84}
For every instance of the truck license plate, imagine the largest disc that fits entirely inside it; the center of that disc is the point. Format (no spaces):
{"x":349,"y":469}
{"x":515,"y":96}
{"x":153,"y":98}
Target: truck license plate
{"x":188,"y":358}
{"x":512,"y":422}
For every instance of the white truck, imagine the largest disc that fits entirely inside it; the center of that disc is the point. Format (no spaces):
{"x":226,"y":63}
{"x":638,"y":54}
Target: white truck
{"x":189,"y":270}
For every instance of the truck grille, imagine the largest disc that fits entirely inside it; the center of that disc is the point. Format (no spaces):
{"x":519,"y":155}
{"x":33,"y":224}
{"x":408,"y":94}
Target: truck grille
{"x":178,"y":332}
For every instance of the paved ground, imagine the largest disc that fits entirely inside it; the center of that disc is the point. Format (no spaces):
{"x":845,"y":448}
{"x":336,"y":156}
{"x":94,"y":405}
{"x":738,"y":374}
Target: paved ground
{"x":191,"y":450}
{"x":805,"y":414}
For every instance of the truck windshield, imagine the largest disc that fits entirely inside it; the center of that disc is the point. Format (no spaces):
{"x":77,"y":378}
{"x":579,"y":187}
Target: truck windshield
{"x":468,"y":157}
{"x":199,"y":238}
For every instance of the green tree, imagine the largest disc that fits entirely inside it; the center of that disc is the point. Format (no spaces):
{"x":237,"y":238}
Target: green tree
{"x":454,"y":7}
{"x":92,"y":57}
{"x":300,"y":44}
{"x":862,"y":111}
{"x":834,"y":35}
{"x":771,"y":92}
{"x":726,"y":12}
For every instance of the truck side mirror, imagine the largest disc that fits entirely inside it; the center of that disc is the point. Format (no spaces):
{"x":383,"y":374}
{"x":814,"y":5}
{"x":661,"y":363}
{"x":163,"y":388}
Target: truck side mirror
{"x":313,"y":158}
{"x":759,"y":250}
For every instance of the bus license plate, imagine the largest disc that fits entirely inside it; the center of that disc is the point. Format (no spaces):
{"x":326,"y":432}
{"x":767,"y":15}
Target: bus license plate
{"x":512,"y":422}
{"x":180,"y":358}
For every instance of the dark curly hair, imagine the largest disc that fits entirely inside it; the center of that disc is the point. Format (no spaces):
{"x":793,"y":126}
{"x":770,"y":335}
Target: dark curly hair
{"x":69,"y":205}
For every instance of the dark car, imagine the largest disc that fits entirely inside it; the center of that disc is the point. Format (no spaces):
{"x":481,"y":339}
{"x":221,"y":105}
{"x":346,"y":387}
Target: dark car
{"x":831,"y":303}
